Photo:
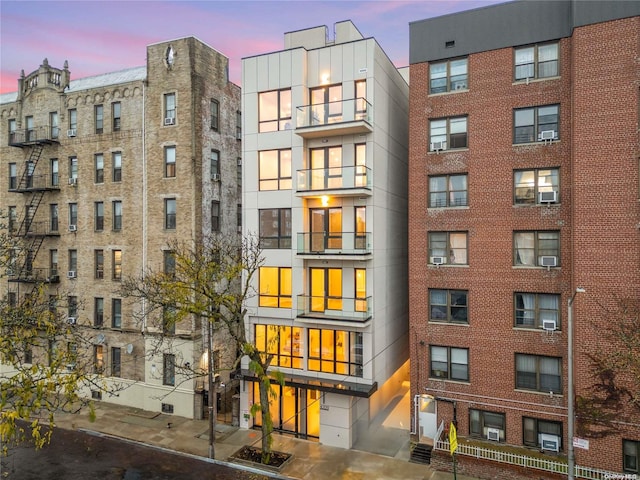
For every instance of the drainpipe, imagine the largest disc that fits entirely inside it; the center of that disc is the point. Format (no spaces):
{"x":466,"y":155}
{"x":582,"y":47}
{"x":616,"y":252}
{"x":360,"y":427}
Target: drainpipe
{"x":415,"y":415}
{"x":144,"y":199}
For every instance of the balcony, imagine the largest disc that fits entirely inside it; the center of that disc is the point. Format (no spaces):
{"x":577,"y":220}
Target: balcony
{"x":34,"y":275}
{"x":346,"y":181}
{"x":37,"y":229}
{"x":334,"y":243}
{"x":345,"y":117}
{"x":355,"y":310}
{"x":42,"y":135}
{"x":34,"y":183}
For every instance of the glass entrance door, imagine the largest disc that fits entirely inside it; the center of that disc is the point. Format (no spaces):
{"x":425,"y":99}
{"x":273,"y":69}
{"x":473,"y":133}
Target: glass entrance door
{"x":326,"y":229}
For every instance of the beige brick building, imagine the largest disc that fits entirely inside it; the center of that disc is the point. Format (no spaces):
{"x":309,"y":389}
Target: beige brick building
{"x":99,"y":174}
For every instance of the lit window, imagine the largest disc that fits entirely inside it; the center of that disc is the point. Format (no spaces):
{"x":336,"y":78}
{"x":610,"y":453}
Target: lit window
{"x":117,"y":265}
{"x":335,"y":351}
{"x":284,"y":343}
{"x":326,"y":105}
{"x":275,"y":287}
{"x":274,"y":110}
{"x":275,"y":169}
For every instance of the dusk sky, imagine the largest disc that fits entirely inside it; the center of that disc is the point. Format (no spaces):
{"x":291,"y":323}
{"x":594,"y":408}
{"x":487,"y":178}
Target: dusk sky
{"x":104,"y":36}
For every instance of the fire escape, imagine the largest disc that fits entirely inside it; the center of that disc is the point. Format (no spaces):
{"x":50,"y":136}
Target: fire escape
{"x":33,"y":229}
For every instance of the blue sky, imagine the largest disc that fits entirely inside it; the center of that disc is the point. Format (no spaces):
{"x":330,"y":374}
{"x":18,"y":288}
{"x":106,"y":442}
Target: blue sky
{"x":104,"y":36}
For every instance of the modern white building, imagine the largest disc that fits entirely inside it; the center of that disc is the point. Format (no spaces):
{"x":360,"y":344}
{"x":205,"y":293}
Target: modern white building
{"x":325,"y":135}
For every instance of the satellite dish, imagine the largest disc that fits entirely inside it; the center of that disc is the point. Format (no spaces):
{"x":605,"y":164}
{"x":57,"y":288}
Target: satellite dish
{"x":129,"y":348}
{"x":100,"y":338}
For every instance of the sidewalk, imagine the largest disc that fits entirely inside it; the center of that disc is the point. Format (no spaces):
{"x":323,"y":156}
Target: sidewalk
{"x":310,"y":460}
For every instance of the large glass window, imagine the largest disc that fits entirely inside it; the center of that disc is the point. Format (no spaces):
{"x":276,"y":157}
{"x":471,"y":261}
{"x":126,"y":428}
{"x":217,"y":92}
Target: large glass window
{"x":335,"y":351}
{"x":447,"y":133}
{"x":283,"y":342}
{"x":536,"y":249}
{"x":536,"y":61}
{"x":360,"y":288}
{"x":326,"y":289}
{"x":448,"y":248}
{"x":275,"y":169}
{"x":536,"y":124}
{"x":275,"y":287}
{"x":326,"y":104}
{"x":448,"y":306}
{"x":449,"y":363}
{"x":536,"y":186}
{"x":448,"y":191}
{"x":274,"y":110}
{"x":542,"y":374}
{"x":448,"y":76}
{"x":275,"y":228}
{"x":537,"y":310}
{"x":326,"y":168}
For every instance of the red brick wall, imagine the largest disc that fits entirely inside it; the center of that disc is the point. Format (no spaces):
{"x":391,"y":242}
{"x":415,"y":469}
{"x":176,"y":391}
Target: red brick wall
{"x":597,"y":149}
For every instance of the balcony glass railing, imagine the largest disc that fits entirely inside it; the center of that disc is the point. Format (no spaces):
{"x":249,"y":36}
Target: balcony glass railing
{"x":334,"y":243}
{"x":342,"y":111}
{"x":335,"y":178}
{"x":335,"y":308}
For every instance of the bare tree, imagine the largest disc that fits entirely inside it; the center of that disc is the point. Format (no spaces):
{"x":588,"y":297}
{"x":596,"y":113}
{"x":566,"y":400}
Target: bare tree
{"x":211,"y":280}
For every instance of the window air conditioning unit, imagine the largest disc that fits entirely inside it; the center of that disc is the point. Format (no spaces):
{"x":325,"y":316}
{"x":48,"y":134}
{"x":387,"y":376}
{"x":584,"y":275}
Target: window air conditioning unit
{"x":550,"y":442}
{"x":71,"y":132}
{"x":549,"y":325}
{"x":547,"y":135}
{"x":73,"y":181}
{"x":215,"y":177}
{"x":169,"y":121}
{"x":71,"y":320}
{"x":493,"y":434}
{"x":73,"y":228}
{"x":547,"y":197}
{"x":548,"y":261}
{"x":71,"y":274}
{"x":438,"y":260}
{"x":437,"y":146}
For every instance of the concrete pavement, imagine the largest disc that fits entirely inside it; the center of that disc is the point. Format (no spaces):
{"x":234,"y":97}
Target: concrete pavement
{"x":310,"y":459}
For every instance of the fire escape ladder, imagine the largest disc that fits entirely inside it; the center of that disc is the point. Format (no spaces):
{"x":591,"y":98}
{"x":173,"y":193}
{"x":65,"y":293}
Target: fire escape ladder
{"x":30,"y":166}
{"x":29,"y":215}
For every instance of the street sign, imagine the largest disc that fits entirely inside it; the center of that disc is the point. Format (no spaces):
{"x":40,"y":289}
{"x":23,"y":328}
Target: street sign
{"x":453,"y":438}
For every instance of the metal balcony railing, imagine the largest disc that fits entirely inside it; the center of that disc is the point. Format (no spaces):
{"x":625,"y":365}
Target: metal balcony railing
{"x":33,"y":275}
{"x":335,"y":243}
{"x":335,"y":178}
{"x":334,"y":308}
{"x":36,"y":135}
{"x":44,"y":181}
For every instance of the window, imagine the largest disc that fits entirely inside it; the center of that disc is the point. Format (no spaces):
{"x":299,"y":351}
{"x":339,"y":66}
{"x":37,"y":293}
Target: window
{"x":12,"y":130}
{"x":169,"y":262}
{"x":99,"y":161}
{"x":73,"y":261}
{"x":99,"y":118}
{"x":99,"y":263}
{"x":53,"y":217}
{"x":361,"y":165}
{"x":31,"y":131}
{"x":448,"y":247}
{"x":533,"y":249}
{"x":284,"y":343}
{"x":116,"y":313}
{"x":73,"y":214}
{"x":55,"y":168}
{"x":448,"y":133}
{"x":631,"y":456}
{"x":448,"y":191}
{"x":325,"y":285}
{"x":534,"y":431}
{"x":275,"y":228}
{"x":53,"y":263}
{"x":536,"y":186}
{"x":73,"y":121}
{"x":360,"y":289}
{"x":117,"y":265}
{"x":361,"y":100}
{"x":536,"y":61}
{"x":13,"y":219}
{"x":99,"y":216}
{"x":13,"y":176}
{"x":98,"y":359}
{"x":239,"y":217}
{"x":274,"y":110}
{"x":168,"y":369}
{"x":117,"y":166}
{"x":535,"y":372}
{"x":485,"y":424}
{"x":53,"y":124}
{"x":448,"y":306}
{"x":275,"y":287}
{"x":326,"y":168}
{"x":335,"y":351}
{"x":116,"y":363}
{"x":533,"y":309}
{"x":535,"y":123}
{"x":72,"y":306}
{"x":239,"y":172}
{"x":169,"y":108}
{"x":117,"y":214}
{"x":169,"y":319}
{"x":215,"y":165}
{"x":238,"y":125}
{"x":169,"y":162}
{"x":275,"y":169}
{"x":360,"y":215}
{"x":170,"y":213}
{"x":98,"y":312}
{"x":115,"y":116}
{"x":215,"y":216}
{"x":448,"y":76}
{"x":326,"y":105}
{"x":215,"y":112}
{"x":73,"y":170}
{"x":449,"y":363}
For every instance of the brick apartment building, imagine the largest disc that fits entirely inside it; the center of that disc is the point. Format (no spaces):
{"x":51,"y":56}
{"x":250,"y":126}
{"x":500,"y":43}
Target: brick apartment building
{"x":99,"y":174}
{"x":325,"y":159}
{"x":523,"y":187}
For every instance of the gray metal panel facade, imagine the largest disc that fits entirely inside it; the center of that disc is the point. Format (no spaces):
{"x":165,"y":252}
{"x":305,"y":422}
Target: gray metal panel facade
{"x":508,"y":24}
